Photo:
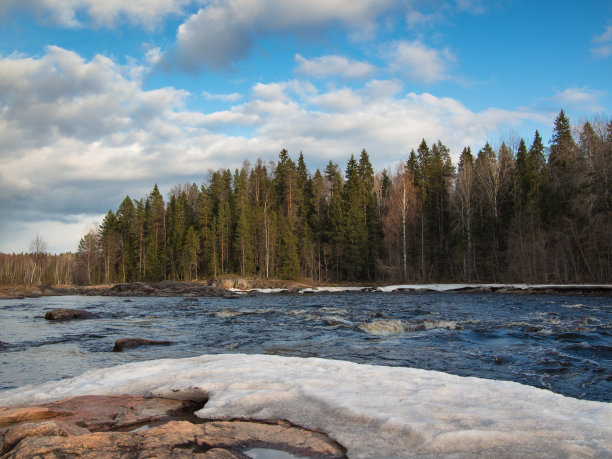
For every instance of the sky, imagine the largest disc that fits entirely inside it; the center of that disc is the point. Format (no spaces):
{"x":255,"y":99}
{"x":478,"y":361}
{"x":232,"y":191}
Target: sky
{"x":103,"y":99}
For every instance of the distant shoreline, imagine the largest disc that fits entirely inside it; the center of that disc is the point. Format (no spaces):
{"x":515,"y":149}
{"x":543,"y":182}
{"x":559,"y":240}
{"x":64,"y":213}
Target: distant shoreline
{"x":233,"y":287}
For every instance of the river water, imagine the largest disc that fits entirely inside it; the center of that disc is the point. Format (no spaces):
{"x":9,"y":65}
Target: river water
{"x":558,"y":342}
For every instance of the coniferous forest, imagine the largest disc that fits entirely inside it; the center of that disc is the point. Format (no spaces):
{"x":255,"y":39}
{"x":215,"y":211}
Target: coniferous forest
{"x":524,"y":212}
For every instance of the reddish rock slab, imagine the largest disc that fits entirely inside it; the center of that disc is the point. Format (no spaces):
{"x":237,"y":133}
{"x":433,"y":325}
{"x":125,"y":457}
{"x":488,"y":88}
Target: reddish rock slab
{"x":130,"y":343}
{"x":68,"y":314}
{"x":134,"y":427}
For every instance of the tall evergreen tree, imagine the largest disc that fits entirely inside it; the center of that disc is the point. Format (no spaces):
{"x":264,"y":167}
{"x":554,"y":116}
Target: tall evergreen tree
{"x":155,"y":236}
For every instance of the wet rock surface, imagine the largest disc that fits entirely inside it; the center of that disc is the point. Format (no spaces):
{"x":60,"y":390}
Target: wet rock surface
{"x":130,"y":343}
{"x":165,"y":288}
{"x":68,"y":314}
{"x":130,"y":426}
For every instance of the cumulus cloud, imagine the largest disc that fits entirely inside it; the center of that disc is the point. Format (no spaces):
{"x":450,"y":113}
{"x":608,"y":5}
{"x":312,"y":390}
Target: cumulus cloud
{"x":420,"y":62}
{"x":582,"y":99}
{"x":78,"y":135}
{"x":233,"y":97}
{"x":333,"y":65}
{"x":603,"y":43}
{"x":68,"y":13}
{"x":223,"y":31}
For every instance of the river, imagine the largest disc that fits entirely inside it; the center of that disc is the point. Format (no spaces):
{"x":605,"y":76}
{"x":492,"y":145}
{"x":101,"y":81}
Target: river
{"x":558,"y":342}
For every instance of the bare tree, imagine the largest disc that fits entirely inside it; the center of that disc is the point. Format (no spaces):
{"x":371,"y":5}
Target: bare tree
{"x":38,"y":249}
{"x":400,"y":219}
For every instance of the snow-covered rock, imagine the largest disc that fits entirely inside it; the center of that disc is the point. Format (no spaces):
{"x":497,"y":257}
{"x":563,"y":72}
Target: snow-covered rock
{"x":374,"y":411}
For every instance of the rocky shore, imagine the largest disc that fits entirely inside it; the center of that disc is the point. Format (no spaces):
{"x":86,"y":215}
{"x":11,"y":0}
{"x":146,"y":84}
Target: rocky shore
{"x":226,"y":288}
{"x":130,"y":426}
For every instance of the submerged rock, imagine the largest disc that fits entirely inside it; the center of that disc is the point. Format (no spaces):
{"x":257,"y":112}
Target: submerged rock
{"x":68,"y":314}
{"x":135,"y":426}
{"x":130,"y":343}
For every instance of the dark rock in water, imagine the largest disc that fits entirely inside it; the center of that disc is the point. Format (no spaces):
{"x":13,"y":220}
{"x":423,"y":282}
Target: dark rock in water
{"x":68,"y":314}
{"x":190,"y":298}
{"x":135,"y":426}
{"x":130,"y":343}
{"x":3,"y":346}
{"x":127,"y":301}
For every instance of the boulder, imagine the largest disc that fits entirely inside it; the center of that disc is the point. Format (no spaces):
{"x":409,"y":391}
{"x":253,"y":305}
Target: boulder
{"x":68,"y":314}
{"x":134,"y":426}
{"x":130,"y":343}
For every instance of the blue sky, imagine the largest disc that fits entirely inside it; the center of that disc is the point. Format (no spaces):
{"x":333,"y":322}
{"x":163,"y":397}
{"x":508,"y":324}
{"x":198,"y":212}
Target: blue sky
{"x":103,"y":99}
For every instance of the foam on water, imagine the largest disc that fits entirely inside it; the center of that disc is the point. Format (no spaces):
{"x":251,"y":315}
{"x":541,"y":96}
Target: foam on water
{"x":444,"y":324}
{"x":383,"y":327}
{"x":374,"y":411}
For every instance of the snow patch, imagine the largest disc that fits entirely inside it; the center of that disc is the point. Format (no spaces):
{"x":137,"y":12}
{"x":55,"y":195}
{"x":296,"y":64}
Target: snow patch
{"x":374,"y":411}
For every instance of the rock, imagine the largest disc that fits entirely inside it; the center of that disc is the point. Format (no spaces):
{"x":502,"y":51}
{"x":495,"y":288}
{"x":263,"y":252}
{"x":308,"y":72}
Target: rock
{"x":68,"y":314}
{"x":134,"y":426}
{"x":130,"y":343}
{"x":190,"y":298}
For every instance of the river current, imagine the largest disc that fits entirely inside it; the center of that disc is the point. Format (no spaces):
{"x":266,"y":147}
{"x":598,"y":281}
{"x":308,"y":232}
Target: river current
{"x":558,"y":342}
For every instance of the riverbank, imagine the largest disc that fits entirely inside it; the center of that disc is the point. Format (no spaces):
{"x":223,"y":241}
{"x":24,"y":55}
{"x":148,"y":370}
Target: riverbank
{"x":233,"y":285}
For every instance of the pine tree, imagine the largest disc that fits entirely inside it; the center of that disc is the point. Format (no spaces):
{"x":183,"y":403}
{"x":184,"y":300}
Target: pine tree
{"x":355,"y":222}
{"x":110,"y":245}
{"x":155,"y":236}
{"x":334,"y":221}
{"x":128,"y":231}
{"x":192,"y":248}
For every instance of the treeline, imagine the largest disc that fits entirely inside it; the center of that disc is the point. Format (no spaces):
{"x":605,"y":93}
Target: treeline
{"x":37,"y":269}
{"x":520,"y":213}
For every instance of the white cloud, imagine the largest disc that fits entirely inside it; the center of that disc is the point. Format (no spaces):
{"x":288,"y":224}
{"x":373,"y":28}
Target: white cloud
{"x":605,"y":37}
{"x":233,"y":97}
{"x":99,"y":12}
{"x":154,"y":55}
{"x":416,"y":19}
{"x":333,"y":65}
{"x":603,"y":42}
{"x":78,"y":135}
{"x":223,"y":31}
{"x":581,"y":99}
{"x":420,"y":62}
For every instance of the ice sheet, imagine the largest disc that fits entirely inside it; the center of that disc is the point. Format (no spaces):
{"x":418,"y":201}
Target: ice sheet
{"x":450,"y":287}
{"x":374,"y":411}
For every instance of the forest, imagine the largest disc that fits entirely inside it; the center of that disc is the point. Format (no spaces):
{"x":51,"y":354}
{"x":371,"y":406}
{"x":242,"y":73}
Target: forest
{"x":523,"y":212}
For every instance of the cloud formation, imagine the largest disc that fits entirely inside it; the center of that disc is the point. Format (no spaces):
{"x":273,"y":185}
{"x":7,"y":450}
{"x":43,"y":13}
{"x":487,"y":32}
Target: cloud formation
{"x":106,"y":13}
{"x":580,"y":99}
{"x":333,"y":65}
{"x":223,"y":31}
{"x":420,"y":62}
{"x":603,"y":43}
{"x":78,"y":135}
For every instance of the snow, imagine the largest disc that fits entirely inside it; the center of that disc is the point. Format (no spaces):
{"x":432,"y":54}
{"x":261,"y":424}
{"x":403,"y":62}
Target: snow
{"x":374,"y":411}
{"x":335,"y":289}
{"x":430,"y":287}
{"x":451,"y":287}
